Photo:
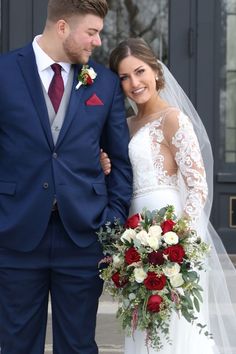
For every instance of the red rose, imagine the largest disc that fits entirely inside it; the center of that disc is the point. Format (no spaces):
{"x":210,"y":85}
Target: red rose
{"x":132,"y":256}
{"x":133,"y":221}
{"x":88,"y":79}
{"x":175,"y":253}
{"x":167,"y":225}
{"x":153,"y":282}
{"x":156,"y":258}
{"x":118,"y":281}
{"x":154,"y":302}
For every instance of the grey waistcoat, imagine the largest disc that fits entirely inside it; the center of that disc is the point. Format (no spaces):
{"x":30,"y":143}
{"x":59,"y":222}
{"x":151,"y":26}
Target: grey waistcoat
{"x":56,"y":120}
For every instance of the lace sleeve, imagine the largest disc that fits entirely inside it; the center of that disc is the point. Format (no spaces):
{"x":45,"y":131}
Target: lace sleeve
{"x":184,"y":147}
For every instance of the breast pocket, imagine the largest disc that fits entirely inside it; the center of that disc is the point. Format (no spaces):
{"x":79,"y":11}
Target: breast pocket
{"x":8,"y":188}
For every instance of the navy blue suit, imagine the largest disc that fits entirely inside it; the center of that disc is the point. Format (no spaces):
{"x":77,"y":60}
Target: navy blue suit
{"x":32,"y":173}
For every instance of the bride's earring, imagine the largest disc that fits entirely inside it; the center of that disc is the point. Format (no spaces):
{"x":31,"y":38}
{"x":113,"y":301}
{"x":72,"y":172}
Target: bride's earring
{"x":156,"y":78}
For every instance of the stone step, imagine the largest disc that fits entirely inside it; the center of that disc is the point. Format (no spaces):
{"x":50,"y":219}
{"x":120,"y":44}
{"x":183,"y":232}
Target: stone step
{"x":233,"y":258}
{"x":102,"y":350}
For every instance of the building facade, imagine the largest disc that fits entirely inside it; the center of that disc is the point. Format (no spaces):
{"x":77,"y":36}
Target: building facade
{"x":196,"y":39}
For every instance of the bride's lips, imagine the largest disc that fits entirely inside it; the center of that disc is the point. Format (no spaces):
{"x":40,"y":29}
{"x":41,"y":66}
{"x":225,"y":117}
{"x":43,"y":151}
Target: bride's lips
{"x":138,"y":91}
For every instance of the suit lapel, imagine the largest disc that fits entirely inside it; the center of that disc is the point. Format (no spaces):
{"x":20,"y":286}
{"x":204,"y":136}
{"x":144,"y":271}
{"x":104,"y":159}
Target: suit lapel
{"x":29,"y":70}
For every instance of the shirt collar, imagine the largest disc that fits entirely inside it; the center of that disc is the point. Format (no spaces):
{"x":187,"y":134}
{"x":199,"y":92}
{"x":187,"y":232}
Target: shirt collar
{"x":43,"y":60}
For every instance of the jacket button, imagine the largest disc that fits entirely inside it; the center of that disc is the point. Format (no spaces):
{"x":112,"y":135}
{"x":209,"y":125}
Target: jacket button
{"x":54,"y":155}
{"x":45,"y":185}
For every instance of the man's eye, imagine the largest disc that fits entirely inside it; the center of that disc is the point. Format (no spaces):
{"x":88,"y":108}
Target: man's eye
{"x":91,"y":34}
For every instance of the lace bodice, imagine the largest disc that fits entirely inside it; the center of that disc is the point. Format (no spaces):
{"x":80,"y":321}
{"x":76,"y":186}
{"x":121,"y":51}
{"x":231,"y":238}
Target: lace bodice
{"x":165,"y":152}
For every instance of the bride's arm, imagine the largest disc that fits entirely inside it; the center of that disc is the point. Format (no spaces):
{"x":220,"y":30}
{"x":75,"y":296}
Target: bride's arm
{"x":105,"y":162}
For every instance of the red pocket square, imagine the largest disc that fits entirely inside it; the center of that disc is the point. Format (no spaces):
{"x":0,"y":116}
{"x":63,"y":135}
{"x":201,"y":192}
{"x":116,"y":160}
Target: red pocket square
{"x":94,"y":100}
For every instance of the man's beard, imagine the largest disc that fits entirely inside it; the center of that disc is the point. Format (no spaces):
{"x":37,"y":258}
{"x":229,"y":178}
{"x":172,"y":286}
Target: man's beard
{"x":74,"y":56}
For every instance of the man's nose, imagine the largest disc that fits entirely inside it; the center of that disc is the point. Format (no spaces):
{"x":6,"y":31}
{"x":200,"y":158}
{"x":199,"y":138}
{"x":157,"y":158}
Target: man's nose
{"x":97,"y":42}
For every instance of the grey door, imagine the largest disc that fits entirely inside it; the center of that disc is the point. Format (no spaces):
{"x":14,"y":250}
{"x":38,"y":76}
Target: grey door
{"x":203,"y":58}
{"x":225,"y":122}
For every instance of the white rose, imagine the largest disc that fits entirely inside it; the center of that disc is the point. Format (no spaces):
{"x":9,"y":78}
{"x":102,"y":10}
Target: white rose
{"x":171,"y":238}
{"x":177,"y":280}
{"x":92,"y":73}
{"x":153,"y":242}
{"x":142,"y":236}
{"x":128,"y":235}
{"x":117,"y":261}
{"x":171,"y":269}
{"x":139,"y":275}
{"x":155,"y":231}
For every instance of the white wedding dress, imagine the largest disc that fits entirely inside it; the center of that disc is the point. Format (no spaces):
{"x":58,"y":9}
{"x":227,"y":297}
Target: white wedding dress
{"x":168,"y":169}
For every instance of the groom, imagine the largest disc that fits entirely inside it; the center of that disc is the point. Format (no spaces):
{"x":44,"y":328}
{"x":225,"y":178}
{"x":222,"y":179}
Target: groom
{"x":53,"y":193}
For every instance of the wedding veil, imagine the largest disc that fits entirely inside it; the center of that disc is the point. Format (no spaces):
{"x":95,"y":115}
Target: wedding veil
{"x":221,"y":274}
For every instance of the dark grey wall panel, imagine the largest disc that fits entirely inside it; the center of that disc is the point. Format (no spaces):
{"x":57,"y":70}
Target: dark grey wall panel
{"x":39,"y":15}
{"x":21,"y":21}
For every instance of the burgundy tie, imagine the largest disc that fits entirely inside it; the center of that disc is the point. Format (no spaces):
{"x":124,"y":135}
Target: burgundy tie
{"x":56,"y":88}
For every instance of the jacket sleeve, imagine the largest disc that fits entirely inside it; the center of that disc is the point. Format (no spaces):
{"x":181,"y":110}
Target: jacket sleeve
{"x":115,"y":141}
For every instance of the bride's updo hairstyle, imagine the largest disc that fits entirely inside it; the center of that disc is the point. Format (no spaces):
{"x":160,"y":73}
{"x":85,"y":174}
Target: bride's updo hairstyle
{"x":139,"y":49}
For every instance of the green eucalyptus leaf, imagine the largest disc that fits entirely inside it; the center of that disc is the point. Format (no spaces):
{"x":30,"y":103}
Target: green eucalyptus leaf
{"x":196,"y":304}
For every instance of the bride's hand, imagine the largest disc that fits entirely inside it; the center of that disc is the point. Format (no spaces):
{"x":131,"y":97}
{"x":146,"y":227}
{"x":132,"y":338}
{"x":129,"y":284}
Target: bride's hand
{"x":105,"y":162}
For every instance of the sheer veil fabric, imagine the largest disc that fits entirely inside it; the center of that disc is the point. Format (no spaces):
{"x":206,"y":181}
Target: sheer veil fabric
{"x":220,"y":287}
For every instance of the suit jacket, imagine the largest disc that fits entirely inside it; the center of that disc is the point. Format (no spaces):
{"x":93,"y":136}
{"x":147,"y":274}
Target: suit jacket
{"x":33,"y":171}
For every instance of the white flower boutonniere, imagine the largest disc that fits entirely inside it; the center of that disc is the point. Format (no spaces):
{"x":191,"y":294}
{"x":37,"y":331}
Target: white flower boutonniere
{"x":86,"y":76}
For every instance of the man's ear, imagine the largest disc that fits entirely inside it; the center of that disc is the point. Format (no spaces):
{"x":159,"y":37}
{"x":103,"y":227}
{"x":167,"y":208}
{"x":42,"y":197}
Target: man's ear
{"x":62,"y":27}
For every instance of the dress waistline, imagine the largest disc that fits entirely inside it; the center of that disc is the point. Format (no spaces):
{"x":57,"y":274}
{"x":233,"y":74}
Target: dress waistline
{"x":147,"y":190}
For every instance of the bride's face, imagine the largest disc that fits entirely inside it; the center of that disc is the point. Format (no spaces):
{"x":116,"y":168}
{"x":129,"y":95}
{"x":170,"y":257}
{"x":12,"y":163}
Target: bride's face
{"x":138,"y":79}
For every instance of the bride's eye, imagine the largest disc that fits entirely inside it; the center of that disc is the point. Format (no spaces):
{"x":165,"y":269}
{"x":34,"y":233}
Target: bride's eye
{"x":123,"y":78}
{"x":140,"y":71}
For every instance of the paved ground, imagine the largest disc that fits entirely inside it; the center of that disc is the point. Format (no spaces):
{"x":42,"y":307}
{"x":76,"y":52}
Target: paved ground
{"x":109,"y":336}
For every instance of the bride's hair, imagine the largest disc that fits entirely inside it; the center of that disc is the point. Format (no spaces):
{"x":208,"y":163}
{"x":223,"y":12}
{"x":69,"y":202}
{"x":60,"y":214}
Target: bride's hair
{"x":138,"y":48}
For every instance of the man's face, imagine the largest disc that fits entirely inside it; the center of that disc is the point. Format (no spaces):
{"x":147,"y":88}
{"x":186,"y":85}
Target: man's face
{"x":83,"y":36}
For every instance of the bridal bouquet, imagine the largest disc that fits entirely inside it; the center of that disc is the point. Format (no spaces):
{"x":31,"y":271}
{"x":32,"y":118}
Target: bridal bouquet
{"x":152,"y":267}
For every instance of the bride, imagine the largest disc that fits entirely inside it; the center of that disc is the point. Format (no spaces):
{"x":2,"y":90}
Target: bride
{"x":172,"y":164}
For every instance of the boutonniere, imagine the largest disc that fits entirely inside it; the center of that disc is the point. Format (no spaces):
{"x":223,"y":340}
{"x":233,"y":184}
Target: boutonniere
{"x":86,"y":76}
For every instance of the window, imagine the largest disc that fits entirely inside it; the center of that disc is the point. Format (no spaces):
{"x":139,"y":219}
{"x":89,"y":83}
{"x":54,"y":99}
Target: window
{"x":147,"y":19}
{"x":126,"y":18}
{"x":228,"y":85}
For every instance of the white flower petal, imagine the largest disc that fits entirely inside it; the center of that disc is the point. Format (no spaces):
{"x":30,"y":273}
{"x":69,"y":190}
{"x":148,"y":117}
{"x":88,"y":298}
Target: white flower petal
{"x":155,"y":231}
{"x":139,"y":275}
{"x":142,"y":236}
{"x":177,"y":280}
{"x":128,"y":235}
{"x":171,"y":238}
{"x":171,"y":269}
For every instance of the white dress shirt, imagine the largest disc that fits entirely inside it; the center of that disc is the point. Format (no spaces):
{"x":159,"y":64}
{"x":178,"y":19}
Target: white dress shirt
{"x":44,"y":63}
